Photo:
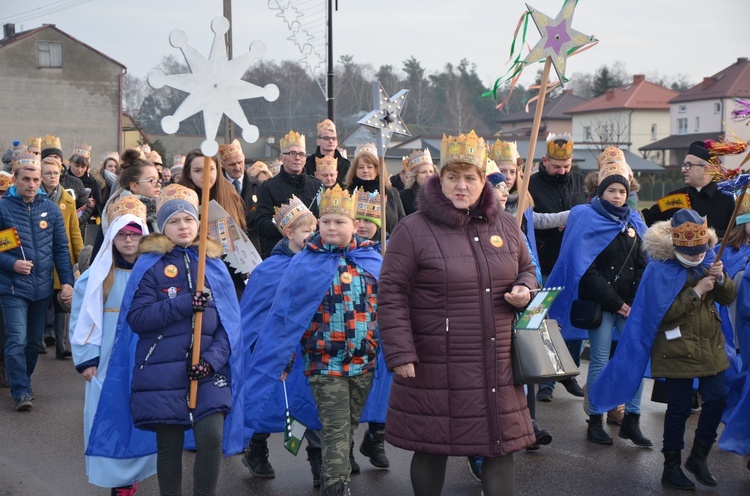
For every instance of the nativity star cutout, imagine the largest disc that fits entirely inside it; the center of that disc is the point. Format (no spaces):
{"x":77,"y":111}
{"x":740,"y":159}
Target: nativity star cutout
{"x":558,"y":38}
{"x":386,"y":117}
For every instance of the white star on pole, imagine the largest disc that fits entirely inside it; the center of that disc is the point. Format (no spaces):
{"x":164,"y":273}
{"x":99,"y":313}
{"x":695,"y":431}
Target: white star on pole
{"x":386,"y":117}
{"x":215,"y":86}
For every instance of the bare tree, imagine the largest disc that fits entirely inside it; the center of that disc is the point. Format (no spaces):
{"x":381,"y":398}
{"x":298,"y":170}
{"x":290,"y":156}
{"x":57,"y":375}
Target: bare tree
{"x":611,"y":130}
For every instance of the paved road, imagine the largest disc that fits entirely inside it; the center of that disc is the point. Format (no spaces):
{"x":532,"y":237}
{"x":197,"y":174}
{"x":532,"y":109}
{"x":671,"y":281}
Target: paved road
{"x":41,"y":453}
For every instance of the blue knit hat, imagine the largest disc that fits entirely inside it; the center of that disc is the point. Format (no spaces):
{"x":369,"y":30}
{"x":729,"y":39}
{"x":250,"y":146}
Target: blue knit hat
{"x":496,"y":178}
{"x":689,"y":232}
{"x":173,"y":199}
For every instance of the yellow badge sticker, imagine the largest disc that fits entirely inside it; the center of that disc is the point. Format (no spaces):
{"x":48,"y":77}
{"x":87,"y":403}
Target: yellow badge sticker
{"x":62,"y":206}
{"x":496,"y":241}
{"x":346,"y":278}
{"x":170,"y":271}
{"x":631,"y":232}
{"x":43,"y":224}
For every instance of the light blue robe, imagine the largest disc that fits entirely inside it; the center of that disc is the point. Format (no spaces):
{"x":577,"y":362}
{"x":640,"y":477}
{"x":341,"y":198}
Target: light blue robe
{"x":105,"y":472}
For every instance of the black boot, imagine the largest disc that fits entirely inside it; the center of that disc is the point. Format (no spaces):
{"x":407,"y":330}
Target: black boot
{"x":630,"y":429}
{"x":673,"y":475}
{"x":373,"y":447}
{"x":256,"y":461}
{"x":315,"y":457}
{"x":543,"y":437}
{"x":696,"y":463}
{"x":352,"y":462}
{"x":572,"y":387}
{"x":595,"y":432}
{"x":3,"y":377}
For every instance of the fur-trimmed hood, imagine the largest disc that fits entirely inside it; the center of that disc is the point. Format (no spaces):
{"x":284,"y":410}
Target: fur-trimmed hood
{"x":434,"y":205}
{"x":657,"y":243}
{"x":160,"y":244}
{"x":591,"y":184}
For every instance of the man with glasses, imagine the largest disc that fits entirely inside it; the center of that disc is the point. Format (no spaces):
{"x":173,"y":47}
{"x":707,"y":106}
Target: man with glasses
{"x":327,"y":147}
{"x":291,"y":181}
{"x":700,"y":193}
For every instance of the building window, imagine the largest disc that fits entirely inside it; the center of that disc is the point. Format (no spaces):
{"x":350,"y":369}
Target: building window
{"x":682,"y":126}
{"x":586,"y":133}
{"x":717,"y":108}
{"x":653,"y":131}
{"x":49,"y":54}
{"x":697,"y":123}
{"x":682,"y":109}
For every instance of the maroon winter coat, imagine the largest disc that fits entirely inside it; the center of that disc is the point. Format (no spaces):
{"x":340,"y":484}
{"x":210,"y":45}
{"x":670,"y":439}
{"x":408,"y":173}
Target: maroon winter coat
{"x":441,"y":307}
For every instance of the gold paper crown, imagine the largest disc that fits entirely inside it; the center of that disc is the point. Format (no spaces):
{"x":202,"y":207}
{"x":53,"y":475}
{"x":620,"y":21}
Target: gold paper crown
{"x":178,"y":160}
{"x":610,"y":155}
{"x":292,"y":139}
{"x":226,"y":151}
{"x":690,"y":234}
{"x":285,"y":215}
{"x":24,"y":159}
{"x":6,"y":181}
{"x":613,"y":169}
{"x":34,"y":145}
{"x":177,"y":192}
{"x":275,"y":167}
{"x":82,"y":150}
{"x":326,"y":163}
{"x":338,"y":201}
{"x":464,"y":149}
{"x":154,"y":157}
{"x":368,"y":205}
{"x":562,"y":151}
{"x":257,"y":168}
{"x":504,"y":151}
{"x":367,"y":148}
{"x":745,"y":205}
{"x":417,"y":158}
{"x":111,"y":155}
{"x":127,"y":205}
{"x":491,"y":168}
{"x":51,"y":142}
{"x":326,"y":125}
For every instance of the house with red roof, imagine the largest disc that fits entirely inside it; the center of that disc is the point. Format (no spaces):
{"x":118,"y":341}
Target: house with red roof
{"x":705,"y":112}
{"x":628,"y":117}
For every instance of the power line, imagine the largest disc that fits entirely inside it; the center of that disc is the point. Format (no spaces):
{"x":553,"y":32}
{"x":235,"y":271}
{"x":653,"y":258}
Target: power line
{"x":50,"y":9}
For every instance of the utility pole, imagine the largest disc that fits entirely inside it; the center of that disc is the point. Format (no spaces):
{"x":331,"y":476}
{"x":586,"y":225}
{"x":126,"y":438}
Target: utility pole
{"x":228,"y":124}
{"x":329,"y":78}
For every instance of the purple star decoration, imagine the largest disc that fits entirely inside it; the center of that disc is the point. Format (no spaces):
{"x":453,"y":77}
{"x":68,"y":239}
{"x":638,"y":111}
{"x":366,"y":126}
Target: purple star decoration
{"x":557,"y":36}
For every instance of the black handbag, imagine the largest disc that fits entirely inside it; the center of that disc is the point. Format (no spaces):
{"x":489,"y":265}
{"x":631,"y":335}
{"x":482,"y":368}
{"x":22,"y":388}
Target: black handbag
{"x":586,"y":314}
{"x":540,"y":355}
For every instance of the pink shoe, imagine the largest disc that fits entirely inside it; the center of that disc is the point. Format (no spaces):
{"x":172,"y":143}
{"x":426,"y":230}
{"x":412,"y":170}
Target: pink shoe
{"x":125,"y":490}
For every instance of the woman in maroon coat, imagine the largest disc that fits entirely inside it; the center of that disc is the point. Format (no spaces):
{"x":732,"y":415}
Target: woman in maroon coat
{"x":454,"y":274}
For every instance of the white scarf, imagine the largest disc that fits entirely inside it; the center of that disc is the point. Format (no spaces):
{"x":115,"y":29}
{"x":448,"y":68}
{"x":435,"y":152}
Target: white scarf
{"x":88,"y":328}
{"x":686,"y":262}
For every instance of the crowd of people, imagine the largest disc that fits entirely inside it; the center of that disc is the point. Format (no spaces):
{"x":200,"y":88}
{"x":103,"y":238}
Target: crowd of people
{"x":411,"y":335}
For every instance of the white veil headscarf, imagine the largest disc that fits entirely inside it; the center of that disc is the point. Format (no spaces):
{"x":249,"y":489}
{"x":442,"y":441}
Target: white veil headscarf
{"x":88,"y":328}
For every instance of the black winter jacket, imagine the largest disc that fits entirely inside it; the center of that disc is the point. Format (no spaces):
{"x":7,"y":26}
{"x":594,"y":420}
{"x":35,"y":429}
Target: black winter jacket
{"x":343,"y":164}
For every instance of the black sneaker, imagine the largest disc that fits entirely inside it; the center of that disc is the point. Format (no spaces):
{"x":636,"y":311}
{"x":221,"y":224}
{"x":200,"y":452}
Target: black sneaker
{"x":544,"y":394}
{"x":340,"y":488}
{"x":256,"y":461}
{"x":24,"y":404}
{"x":373,"y":447}
{"x":475,"y":467}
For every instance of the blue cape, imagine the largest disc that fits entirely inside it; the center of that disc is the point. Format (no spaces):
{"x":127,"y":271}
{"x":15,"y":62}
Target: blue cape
{"x":531,"y":234}
{"x":113,"y":434}
{"x":619,"y":380}
{"x":587,"y":234}
{"x":734,"y":261}
{"x":304,"y":284}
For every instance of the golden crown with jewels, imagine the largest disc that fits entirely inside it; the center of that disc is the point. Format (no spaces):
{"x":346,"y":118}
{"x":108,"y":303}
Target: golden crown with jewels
{"x":690,"y":234}
{"x":504,"y":151}
{"x":338,"y":201}
{"x":368,"y":206}
{"x":285,"y":215}
{"x":34,"y":144}
{"x":610,"y":155}
{"x":326,"y":163}
{"x":258,"y":167}
{"x":6,"y":181}
{"x":127,"y":205}
{"x":417,"y":158}
{"x":464,"y":149}
{"x":111,"y":155}
{"x":226,"y":151}
{"x":82,"y":150}
{"x":177,"y":192}
{"x":559,"y":146}
{"x":51,"y":142}
{"x":326,"y":125}
{"x":24,"y":159}
{"x":368,"y":148}
{"x":292,"y":138}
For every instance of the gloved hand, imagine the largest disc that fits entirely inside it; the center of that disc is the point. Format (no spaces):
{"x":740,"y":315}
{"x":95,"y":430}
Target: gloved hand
{"x":200,"y":300}
{"x":200,"y":370}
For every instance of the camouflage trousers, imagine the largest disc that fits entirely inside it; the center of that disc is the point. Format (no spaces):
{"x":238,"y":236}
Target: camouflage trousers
{"x":340,"y":402}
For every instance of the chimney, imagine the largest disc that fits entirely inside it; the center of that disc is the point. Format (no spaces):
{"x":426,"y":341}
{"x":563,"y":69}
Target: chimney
{"x":638,"y":78}
{"x":708,"y":81}
{"x":9,"y":31}
{"x":740,"y":60}
{"x":610,"y":94}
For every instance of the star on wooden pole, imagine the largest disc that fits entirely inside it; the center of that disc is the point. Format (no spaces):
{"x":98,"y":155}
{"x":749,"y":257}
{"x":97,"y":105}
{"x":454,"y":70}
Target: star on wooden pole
{"x":558,"y":38}
{"x":386,"y":116}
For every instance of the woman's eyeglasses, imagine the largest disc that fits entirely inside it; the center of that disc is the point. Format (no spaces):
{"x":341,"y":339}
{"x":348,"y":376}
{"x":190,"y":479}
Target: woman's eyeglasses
{"x":154,"y":182}
{"x":123,"y":235}
{"x":51,"y":174}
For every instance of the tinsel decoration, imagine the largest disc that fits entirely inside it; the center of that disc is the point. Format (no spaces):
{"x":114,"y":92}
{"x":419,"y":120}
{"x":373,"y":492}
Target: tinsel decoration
{"x":741,"y":111}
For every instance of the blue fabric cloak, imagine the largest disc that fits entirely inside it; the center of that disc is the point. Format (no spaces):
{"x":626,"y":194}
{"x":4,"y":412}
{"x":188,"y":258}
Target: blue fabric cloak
{"x":734,"y":261}
{"x":113,"y":434}
{"x":300,"y":291}
{"x":587,"y":234}
{"x":662,"y":281}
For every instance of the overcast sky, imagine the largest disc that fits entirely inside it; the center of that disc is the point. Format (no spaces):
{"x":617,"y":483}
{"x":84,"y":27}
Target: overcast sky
{"x":690,"y":37}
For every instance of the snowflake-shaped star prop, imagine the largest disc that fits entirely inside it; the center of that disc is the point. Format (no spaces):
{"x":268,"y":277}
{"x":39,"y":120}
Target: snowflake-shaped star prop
{"x":215,"y":86}
{"x":386,"y":117}
{"x":558,"y":38}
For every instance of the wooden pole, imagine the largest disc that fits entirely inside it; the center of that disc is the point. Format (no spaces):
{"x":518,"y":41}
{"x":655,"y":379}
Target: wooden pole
{"x":523,"y":189}
{"x":730,"y":226}
{"x":383,"y":202}
{"x":201,"y":278}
